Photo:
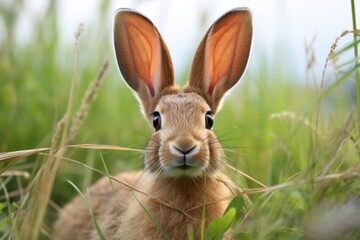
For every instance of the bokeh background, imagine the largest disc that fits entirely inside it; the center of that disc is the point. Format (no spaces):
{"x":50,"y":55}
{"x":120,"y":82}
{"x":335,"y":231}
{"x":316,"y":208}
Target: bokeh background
{"x":268,"y":124}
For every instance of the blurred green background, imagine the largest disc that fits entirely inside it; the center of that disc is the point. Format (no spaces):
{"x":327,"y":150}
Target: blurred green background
{"x":267,"y":125}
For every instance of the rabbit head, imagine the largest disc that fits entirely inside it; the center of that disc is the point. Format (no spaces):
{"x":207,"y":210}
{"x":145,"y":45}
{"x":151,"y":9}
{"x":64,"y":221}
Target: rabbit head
{"x":182,"y":143}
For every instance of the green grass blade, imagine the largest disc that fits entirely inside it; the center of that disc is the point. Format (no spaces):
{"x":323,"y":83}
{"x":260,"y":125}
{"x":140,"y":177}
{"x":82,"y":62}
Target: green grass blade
{"x":152,"y":218}
{"x":237,"y":203}
{"x":191,"y":235}
{"x":335,"y":85}
{"x":346,"y":48}
{"x":110,"y":180}
{"x":218,"y":227}
{"x":203,"y":215}
{"x":8,"y":206}
{"x":351,"y":61}
{"x":97,"y":227}
{"x":356,"y":54}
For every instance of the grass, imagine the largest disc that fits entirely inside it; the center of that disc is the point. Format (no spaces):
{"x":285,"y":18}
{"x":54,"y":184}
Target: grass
{"x":356,"y":55}
{"x":88,"y":205}
{"x":299,"y":144}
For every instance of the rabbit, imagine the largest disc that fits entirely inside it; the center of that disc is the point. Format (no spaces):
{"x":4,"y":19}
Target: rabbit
{"x":183,"y":186}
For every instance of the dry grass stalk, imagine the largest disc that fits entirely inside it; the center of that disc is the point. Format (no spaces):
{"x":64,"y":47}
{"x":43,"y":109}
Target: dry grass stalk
{"x":86,"y":102}
{"x":14,"y":155}
{"x":332,"y":51}
{"x":322,"y":84}
{"x":341,"y":137}
{"x":56,"y":135}
{"x":293,"y":117}
{"x":23,"y":174}
{"x":353,"y":172}
{"x":104,"y":147}
{"x":44,"y":180}
{"x":246,"y":175}
{"x":310,"y":60}
{"x":16,"y":193}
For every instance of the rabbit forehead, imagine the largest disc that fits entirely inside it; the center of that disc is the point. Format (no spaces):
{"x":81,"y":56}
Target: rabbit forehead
{"x":182,"y":106}
{"x":183,"y":102}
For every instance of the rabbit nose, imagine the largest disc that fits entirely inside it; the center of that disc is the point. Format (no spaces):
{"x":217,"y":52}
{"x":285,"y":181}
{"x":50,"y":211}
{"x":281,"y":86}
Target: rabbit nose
{"x":185,"y":146}
{"x":186,"y":151}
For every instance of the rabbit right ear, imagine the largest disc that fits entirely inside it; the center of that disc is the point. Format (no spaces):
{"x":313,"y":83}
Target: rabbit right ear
{"x":142,"y":57}
{"x":222,"y":56}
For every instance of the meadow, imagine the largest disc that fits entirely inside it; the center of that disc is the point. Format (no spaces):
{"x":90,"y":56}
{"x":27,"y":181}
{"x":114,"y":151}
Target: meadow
{"x":293,"y":148}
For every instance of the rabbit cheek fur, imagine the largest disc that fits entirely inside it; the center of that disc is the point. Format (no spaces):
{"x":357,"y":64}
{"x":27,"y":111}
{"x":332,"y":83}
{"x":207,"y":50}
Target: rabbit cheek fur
{"x":183,"y":130}
{"x":183,"y":184}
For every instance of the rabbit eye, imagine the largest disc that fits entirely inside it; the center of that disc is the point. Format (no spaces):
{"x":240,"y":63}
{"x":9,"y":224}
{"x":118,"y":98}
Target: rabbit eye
{"x":156,"y":120}
{"x":208,"y":120}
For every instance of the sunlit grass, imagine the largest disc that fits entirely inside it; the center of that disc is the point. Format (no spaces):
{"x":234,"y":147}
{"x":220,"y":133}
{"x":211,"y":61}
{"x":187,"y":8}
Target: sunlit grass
{"x":296,"y":146}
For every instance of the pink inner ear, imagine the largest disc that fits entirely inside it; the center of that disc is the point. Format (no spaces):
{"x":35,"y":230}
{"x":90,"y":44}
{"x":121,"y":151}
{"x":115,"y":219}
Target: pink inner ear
{"x":145,"y":49}
{"x":220,"y":52}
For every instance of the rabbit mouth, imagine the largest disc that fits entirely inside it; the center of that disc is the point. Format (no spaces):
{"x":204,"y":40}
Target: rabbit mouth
{"x":178,"y":170}
{"x":184,"y":167}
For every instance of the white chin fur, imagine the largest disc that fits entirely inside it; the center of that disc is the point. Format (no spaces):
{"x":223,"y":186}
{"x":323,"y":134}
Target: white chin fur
{"x":178,"y":172}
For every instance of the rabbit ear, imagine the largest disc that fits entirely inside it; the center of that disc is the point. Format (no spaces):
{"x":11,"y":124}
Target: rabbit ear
{"x":221,"y":57}
{"x":142,"y":56}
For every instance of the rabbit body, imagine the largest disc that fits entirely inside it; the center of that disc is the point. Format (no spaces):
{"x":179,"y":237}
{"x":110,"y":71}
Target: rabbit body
{"x":183,"y":186}
{"x":176,"y":202}
{"x":124,"y":218}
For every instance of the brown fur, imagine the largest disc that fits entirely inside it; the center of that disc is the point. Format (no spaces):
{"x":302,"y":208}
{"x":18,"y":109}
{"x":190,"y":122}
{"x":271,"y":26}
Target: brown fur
{"x":183,"y":183}
{"x":185,"y":194}
{"x":182,"y":208}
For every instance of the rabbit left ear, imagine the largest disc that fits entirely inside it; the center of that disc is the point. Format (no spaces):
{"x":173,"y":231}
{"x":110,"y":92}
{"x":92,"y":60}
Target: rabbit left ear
{"x":142,"y":57}
{"x":222,"y":56}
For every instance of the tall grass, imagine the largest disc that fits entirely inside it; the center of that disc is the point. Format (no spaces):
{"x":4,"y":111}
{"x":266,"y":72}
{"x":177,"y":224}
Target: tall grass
{"x":293,"y":149}
{"x":356,"y":55}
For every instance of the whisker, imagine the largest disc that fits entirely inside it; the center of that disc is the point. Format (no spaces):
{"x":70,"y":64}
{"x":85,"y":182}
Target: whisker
{"x":232,"y":184}
{"x":152,"y":162}
{"x":129,"y":156}
{"x":147,"y":172}
{"x":141,"y":134}
{"x":232,"y":162}
{"x":228,"y":132}
{"x":237,"y":147}
{"x":232,"y":147}
{"x":246,"y":176}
